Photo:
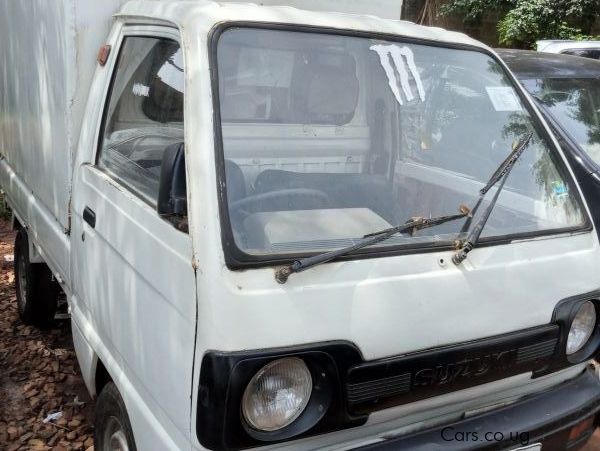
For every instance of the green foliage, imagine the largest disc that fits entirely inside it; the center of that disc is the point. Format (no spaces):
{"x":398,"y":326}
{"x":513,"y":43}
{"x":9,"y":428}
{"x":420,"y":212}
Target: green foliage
{"x":525,"y":21}
{"x":536,"y":19}
{"x":473,"y":10}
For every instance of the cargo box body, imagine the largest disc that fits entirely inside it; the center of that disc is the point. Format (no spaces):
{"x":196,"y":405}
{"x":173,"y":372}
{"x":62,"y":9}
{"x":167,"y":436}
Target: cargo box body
{"x":47,"y":61}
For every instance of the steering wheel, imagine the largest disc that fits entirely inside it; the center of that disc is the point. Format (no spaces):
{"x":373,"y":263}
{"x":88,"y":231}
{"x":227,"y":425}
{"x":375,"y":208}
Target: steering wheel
{"x":284,"y":199}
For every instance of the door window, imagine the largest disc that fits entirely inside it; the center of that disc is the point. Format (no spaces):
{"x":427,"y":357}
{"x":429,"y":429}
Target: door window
{"x":144,"y":114}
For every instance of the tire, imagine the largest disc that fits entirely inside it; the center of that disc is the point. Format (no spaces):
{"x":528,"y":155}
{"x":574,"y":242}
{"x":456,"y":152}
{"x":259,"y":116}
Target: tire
{"x":112,"y":429}
{"x":37,"y":292}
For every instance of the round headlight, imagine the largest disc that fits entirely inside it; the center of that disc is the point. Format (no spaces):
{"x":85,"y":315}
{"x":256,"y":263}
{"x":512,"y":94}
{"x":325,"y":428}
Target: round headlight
{"x":277,"y":394}
{"x":582,"y":327}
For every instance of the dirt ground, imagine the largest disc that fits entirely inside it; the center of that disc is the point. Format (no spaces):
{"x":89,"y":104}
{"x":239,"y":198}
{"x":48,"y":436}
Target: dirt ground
{"x":39,"y":376}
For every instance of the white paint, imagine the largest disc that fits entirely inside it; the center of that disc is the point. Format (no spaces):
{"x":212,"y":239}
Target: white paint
{"x":410,"y":59}
{"x":389,"y":71}
{"x":134,"y":296}
{"x":398,"y":54}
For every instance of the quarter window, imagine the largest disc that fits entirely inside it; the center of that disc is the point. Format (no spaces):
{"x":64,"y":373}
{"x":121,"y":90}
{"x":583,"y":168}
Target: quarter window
{"x":144,"y":114}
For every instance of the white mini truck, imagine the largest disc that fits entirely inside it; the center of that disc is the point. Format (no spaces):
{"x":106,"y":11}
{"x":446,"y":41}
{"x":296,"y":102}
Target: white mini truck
{"x":283,"y":228}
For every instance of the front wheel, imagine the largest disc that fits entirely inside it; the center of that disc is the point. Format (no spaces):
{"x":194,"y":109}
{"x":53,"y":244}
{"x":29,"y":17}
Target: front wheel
{"x":37,"y":291}
{"x":112,"y":427}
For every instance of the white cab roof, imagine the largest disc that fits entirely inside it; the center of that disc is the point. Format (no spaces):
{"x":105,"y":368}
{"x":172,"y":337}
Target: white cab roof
{"x":202,"y":15}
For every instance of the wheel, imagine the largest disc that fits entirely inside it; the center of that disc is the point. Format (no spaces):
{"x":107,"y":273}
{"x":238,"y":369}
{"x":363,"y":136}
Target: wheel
{"x":37,"y":291}
{"x":112,"y":429}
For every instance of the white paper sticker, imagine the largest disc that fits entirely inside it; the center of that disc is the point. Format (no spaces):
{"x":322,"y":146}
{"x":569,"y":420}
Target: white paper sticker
{"x":503,"y":98}
{"x":171,"y":73}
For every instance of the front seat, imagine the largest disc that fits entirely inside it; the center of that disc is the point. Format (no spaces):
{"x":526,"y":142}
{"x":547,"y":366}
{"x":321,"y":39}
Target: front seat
{"x":235,"y":182}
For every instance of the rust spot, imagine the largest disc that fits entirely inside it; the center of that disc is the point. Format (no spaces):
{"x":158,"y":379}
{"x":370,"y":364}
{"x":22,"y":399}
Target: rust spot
{"x":464,"y":209}
{"x":103,"y":54}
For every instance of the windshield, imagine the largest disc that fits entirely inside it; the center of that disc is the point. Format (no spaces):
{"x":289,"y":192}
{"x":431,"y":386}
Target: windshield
{"x":327,"y":138}
{"x":575,"y":103}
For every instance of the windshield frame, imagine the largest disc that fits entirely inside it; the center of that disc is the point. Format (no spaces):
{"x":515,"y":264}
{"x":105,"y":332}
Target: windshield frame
{"x":237,"y":259}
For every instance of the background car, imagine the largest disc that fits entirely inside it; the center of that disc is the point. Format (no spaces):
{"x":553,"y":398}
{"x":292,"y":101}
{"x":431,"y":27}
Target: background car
{"x":587,"y":49}
{"x":567,"y":89}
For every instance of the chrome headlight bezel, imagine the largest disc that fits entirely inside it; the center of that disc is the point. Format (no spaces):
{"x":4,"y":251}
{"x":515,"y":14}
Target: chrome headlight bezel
{"x":582,"y":328}
{"x":292,"y":371}
{"x":590,"y":347}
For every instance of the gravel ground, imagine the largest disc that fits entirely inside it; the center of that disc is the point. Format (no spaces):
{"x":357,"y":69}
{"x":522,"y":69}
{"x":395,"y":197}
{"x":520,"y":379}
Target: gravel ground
{"x":39,"y":376}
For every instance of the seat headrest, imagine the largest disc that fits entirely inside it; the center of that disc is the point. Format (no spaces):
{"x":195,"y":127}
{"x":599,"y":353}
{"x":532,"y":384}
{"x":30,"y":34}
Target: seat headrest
{"x":333,"y":91}
{"x":236,"y":182}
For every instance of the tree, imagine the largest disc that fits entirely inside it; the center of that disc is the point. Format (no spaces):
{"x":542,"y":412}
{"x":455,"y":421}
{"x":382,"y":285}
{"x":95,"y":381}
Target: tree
{"x":523,"y":22}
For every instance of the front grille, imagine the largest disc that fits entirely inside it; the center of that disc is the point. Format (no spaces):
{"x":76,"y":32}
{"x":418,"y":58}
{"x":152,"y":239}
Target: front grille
{"x":376,"y":385}
{"x":389,"y":386}
{"x":536,"y":351}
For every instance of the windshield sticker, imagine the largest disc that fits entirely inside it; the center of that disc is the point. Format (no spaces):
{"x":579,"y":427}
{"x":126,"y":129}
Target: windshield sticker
{"x":398,"y":55}
{"x":171,"y":73}
{"x":560,"y":189}
{"x":141,"y":90}
{"x":503,"y":98}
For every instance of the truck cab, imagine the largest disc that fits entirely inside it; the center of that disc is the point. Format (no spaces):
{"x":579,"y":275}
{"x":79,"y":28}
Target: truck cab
{"x":231,"y":161}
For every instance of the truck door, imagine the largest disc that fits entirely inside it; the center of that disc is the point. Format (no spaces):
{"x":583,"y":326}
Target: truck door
{"x":134,"y":283}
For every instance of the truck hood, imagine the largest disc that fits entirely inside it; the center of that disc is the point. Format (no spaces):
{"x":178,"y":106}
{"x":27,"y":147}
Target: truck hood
{"x":395,"y":305}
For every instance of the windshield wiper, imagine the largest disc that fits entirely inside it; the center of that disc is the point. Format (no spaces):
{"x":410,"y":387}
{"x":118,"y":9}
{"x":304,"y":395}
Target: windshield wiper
{"x":500,"y":175}
{"x":411,"y":226}
{"x":418,"y":223}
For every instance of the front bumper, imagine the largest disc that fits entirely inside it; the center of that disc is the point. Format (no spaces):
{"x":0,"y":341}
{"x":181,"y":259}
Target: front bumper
{"x":545,"y":418}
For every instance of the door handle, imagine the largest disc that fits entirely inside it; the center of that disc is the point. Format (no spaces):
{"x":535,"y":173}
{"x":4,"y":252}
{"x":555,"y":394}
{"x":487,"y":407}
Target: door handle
{"x":89,"y":216}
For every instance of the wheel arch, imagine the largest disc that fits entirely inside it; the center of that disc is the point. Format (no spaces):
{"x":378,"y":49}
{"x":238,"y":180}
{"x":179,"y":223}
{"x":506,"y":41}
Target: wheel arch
{"x":14,"y":222}
{"x":101,"y":377}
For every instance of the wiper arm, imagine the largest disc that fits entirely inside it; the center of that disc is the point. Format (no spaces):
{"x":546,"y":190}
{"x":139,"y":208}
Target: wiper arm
{"x":500,"y":175}
{"x":411,"y":226}
{"x":505,"y":166}
{"x":419,"y":223}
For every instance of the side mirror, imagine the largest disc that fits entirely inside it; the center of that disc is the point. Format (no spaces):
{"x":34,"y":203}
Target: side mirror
{"x":172,"y":198}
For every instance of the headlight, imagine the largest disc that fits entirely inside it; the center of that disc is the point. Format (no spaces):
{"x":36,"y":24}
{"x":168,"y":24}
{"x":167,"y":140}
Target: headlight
{"x":581,"y":328}
{"x":277,"y":394}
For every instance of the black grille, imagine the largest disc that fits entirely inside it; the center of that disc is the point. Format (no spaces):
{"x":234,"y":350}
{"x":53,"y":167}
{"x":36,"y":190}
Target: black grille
{"x":380,"y":384}
{"x":536,"y":351}
{"x":389,"y":386}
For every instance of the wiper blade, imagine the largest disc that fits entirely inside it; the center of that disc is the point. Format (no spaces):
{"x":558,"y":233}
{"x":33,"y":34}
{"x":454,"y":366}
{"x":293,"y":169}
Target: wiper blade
{"x":418,"y":223}
{"x":503,"y":168}
{"x":500,"y":175}
{"x":411,"y":226}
